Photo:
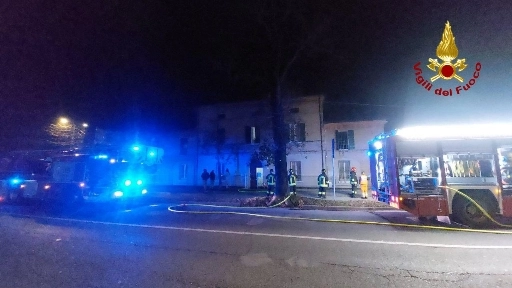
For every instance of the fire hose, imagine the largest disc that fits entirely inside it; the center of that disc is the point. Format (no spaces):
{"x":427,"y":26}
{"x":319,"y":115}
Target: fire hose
{"x":176,"y":209}
{"x":484,"y":212}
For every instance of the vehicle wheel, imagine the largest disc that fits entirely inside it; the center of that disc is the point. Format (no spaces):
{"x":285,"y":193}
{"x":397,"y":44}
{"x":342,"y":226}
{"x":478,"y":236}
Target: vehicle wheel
{"x":469,"y":214}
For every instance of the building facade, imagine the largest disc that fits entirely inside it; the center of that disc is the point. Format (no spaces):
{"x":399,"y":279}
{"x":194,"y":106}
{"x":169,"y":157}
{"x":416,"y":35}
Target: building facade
{"x":231,"y":136}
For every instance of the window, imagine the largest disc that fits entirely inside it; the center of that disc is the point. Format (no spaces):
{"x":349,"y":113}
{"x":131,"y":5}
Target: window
{"x":345,"y":140}
{"x":183,"y":146}
{"x":468,"y":165}
{"x":294,"y":110}
{"x":183,"y":172}
{"x":343,"y":170}
{"x":297,"y":132}
{"x":295,"y":165}
{"x":252,"y":135}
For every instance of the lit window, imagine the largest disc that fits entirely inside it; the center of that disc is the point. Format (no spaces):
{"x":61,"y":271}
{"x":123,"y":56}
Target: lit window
{"x":252,"y":134}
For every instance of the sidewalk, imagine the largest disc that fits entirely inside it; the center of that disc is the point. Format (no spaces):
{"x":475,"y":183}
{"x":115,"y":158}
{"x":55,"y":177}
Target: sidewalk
{"x":235,"y":196}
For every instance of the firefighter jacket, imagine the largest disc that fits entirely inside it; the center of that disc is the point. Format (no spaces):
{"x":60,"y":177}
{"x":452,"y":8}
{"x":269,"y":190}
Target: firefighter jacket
{"x":271,"y":179}
{"x":322,"y":180}
{"x":292,"y":180}
{"x":353,"y":178}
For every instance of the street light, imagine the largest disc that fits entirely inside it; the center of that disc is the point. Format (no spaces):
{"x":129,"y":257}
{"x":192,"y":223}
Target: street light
{"x":63,"y":120}
{"x":66,"y":132}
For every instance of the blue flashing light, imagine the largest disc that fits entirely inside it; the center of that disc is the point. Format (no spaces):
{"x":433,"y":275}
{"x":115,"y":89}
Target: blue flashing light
{"x":102,"y":156}
{"x":112,"y":161}
{"x":377,"y":145}
{"x":136,"y":148}
{"x":118,"y":194}
{"x":139,"y":182}
{"x":127,"y":182}
{"x":369,"y":153}
{"x":144,"y":191}
{"x":152,"y":154}
{"x":15,"y":181}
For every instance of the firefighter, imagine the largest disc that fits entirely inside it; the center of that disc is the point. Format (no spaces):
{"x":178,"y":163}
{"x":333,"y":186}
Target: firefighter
{"x":363,"y":182}
{"x":322,"y":184}
{"x":353,"y":181}
{"x":271,"y":183}
{"x":292,"y":182}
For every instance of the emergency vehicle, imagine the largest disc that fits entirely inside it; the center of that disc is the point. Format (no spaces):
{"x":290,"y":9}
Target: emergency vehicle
{"x":74,"y":176}
{"x":428,"y":170}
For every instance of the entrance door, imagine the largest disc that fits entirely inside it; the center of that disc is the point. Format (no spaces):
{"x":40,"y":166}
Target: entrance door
{"x":259,"y":177}
{"x":343,"y":171}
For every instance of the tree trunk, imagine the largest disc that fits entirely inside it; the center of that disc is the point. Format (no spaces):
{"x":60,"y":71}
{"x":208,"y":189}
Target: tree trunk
{"x":279,"y":132}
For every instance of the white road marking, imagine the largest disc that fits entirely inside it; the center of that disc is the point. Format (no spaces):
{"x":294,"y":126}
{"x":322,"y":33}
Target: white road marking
{"x":389,"y":211}
{"x":433,"y":245}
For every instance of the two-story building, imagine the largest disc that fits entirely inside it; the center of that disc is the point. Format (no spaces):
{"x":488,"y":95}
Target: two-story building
{"x":231,"y":135}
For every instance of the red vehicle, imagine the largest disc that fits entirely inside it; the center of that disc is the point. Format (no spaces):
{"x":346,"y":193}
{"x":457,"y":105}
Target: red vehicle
{"x":422,"y":170}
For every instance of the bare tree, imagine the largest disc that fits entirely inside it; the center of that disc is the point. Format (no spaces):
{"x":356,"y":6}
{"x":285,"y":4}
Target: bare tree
{"x":224,"y":152}
{"x":66,"y":136}
{"x":293,"y":30}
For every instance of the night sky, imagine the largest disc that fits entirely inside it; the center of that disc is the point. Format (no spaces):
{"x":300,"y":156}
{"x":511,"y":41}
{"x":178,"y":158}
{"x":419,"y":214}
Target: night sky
{"x":143,"y":64}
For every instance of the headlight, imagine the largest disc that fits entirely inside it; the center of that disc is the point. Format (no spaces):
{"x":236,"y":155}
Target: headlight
{"x":118,"y":194}
{"x":127,"y":183}
{"x":139,"y":182}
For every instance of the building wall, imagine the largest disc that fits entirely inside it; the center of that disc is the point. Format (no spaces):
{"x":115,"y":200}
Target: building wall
{"x":364,"y":131}
{"x":235,"y":153}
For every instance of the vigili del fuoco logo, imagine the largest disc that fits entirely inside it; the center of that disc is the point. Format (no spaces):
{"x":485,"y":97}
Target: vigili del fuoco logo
{"x":447,"y":51}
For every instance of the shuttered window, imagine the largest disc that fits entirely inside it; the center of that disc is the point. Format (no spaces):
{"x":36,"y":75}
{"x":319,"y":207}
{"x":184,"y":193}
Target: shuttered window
{"x":345,"y":140}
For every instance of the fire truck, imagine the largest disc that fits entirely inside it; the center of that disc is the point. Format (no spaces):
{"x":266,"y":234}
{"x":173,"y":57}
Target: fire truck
{"x":73,"y":176}
{"x":444,"y":170}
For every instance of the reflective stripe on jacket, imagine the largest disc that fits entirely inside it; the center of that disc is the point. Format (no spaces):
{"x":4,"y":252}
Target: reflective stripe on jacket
{"x":322,"y":180}
{"x":271,"y":179}
{"x":292,"y":180}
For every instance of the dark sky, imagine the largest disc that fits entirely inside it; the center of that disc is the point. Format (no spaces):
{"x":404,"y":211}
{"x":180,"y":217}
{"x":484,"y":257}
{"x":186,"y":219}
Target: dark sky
{"x":143,"y":64}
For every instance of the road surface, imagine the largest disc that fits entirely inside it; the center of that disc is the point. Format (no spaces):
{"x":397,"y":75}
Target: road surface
{"x":148,"y":246}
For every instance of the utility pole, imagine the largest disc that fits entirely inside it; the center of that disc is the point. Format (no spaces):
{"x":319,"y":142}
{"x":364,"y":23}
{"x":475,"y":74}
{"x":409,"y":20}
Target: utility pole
{"x":333,"y":179}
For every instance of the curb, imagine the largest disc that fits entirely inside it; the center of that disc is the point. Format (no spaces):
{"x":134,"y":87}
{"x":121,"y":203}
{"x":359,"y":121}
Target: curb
{"x":223,"y":202}
{"x":343,"y":208}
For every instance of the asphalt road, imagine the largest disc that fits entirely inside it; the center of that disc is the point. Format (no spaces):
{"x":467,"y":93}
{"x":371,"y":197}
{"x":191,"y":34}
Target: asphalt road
{"x":146,"y":245}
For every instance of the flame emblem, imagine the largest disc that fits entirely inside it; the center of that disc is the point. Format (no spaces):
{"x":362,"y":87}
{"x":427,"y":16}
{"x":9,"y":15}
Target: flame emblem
{"x":447,"y":51}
